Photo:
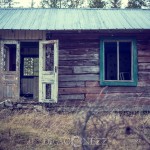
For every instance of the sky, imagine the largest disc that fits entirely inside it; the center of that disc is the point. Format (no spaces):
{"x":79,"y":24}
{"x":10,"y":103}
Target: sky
{"x":27,"y":3}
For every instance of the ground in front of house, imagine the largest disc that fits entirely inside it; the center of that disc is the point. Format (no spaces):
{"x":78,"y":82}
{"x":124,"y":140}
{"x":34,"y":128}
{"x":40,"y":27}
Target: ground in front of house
{"x":44,"y":130}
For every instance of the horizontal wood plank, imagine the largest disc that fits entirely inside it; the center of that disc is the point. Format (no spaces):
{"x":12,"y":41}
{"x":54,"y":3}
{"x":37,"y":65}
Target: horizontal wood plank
{"x":145,"y":53}
{"x":144,"y":66}
{"x":78,"y":90}
{"x":83,"y":62}
{"x":71,"y":84}
{"x":126,"y":89}
{"x":111,"y":96}
{"x":79,"y":57}
{"x":86,"y":69}
{"x":65,"y":70}
{"x":144,"y":75}
{"x":92,"y":83}
{"x":78,"y":51}
{"x":144,"y":83}
{"x":72,"y":97}
{"x":87,"y":77}
{"x":144,"y":59}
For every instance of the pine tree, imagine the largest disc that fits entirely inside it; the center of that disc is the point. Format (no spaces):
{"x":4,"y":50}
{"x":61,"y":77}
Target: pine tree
{"x":50,"y":3}
{"x":32,"y":3}
{"x":115,"y":3}
{"x":7,"y":4}
{"x":61,"y":3}
{"x":97,"y":4}
{"x":148,"y":3}
{"x":72,"y":3}
{"x":138,"y":3}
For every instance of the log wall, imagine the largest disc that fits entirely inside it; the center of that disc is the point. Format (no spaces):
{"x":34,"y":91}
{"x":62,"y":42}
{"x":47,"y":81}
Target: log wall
{"x":79,"y":69}
{"x":79,"y":65}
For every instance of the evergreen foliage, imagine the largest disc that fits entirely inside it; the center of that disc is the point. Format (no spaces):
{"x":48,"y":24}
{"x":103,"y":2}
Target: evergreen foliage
{"x":61,"y":3}
{"x":138,"y":3}
{"x":115,"y":3}
{"x":97,"y":4}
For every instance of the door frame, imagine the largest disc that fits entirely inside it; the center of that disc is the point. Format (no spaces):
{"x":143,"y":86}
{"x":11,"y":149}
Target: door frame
{"x":21,"y":67}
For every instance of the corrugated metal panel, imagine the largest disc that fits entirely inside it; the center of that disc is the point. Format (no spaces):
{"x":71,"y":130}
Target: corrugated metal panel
{"x":74,"y":19}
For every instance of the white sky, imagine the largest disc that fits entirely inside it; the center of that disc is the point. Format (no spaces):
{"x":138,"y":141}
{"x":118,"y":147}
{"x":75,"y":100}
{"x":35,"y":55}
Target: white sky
{"x":27,"y":3}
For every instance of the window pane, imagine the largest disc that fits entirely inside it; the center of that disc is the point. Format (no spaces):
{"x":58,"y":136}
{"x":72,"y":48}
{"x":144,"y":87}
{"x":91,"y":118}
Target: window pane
{"x":9,"y":57}
{"x":31,"y":66}
{"x":110,"y":53}
{"x":28,"y":66}
{"x":124,"y":60}
{"x":49,"y":57}
{"x":48,"y":91}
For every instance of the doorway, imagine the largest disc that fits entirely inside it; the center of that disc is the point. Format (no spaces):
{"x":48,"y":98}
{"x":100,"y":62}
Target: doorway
{"x":29,"y":70}
{"x":39,"y":70}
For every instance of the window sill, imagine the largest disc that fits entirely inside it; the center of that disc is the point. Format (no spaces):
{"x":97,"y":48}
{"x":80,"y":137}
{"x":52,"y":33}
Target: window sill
{"x":118,"y":83}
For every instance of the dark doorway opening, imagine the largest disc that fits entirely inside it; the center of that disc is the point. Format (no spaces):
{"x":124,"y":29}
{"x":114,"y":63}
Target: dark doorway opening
{"x":29,"y":69}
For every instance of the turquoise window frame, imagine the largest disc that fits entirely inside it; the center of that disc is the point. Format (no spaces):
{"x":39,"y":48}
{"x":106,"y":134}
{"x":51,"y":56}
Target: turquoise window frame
{"x":134,"y":80}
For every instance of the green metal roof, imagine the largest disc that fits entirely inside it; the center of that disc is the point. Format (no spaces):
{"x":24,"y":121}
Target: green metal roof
{"x":74,"y":19}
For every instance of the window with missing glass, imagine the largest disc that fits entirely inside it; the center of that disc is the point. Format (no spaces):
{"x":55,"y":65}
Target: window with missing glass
{"x":118,"y":62}
{"x":30,"y":66}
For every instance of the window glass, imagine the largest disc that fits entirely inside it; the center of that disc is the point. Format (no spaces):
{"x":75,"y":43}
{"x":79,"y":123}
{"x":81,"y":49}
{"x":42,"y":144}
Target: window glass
{"x":31,"y":66}
{"x":9,"y":57}
{"x":48,"y":91}
{"x":110,"y":53}
{"x":49,"y":58}
{"x":125,"y":61}
{"x":118,"y":62}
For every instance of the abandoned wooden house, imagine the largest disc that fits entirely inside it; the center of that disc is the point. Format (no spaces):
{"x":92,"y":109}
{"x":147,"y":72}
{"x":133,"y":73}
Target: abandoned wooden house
{"x":56,"y":55}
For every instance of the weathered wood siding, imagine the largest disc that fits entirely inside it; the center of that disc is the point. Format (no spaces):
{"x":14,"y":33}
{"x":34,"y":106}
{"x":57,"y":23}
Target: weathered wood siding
{"x":79,"y":64}
{"x":79,"y":69}
{"x":22,"y":35}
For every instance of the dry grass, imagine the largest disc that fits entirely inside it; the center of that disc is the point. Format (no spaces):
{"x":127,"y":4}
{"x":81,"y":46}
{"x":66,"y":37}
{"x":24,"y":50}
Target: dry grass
{"x":36,"y":130}
{"x":112,"y":127}
{"x":30,"y":130}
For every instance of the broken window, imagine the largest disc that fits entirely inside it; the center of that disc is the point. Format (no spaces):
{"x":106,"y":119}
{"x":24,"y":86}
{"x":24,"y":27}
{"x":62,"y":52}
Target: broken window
{"x":48,"y":91}
{"x":30,"y":66}
{"x":9,"y":57}
{"x":49,"y":58}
